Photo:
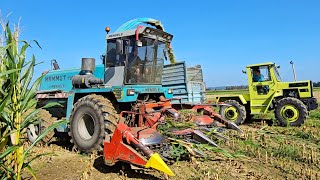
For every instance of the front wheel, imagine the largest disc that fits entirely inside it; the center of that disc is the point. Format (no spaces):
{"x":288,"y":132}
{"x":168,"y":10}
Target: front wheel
{"x":92,"y":118}
{"x":235,"y":112}
{"x":291,"y":111}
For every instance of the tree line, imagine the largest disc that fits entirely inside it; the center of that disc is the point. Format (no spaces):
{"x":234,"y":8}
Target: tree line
{"x":237,"y":87}
{"x":316,"y":84}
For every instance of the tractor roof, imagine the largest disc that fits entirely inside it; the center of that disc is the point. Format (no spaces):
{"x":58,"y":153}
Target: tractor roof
{"x":261,"y":64}
{"x":130,"y":32}
{"x":129,"y":29}
{"x":145,"y":31}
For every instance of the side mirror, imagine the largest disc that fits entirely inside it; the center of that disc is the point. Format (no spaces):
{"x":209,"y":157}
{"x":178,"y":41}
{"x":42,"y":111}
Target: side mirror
{"x":119,"y":46}
{"x":244,"y":72}
{"x":278,"y":67}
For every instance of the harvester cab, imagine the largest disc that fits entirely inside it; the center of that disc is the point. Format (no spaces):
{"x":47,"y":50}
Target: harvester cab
{"x":136,"y":57}
{"x":290,"y":100}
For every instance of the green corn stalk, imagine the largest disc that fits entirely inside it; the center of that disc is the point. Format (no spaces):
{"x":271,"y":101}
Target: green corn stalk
{"x":17,"y":106}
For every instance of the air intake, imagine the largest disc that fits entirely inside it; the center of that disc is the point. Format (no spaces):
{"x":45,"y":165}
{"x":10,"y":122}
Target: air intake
{"x":88,"y":66}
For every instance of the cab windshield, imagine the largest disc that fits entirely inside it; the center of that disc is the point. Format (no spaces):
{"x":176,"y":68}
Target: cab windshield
{"x":277,"y":73}
{"x":145,"y":63}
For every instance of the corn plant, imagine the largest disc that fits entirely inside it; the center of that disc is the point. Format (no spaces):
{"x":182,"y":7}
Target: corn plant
{"x":17,"y":106}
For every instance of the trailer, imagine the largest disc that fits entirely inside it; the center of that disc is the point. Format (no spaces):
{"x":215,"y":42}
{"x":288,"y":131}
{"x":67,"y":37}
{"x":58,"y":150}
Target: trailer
{"x":186,"y":82}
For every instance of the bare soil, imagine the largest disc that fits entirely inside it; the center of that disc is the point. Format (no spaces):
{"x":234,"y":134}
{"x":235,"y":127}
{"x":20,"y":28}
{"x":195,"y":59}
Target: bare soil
{"x":69,"y":165}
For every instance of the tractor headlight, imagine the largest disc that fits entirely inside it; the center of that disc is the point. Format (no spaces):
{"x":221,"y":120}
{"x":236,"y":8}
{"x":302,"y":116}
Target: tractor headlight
{"x":170,"y":91}
{"x":130,"y":92}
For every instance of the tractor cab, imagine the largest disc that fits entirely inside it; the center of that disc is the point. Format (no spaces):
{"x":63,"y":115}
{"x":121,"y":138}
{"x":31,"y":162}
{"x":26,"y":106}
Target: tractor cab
{"x":262,"y":78}
{"x":136,"y":57}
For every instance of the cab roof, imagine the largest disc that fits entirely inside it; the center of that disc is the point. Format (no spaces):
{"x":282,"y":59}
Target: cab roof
{"x":261,"y":64}
{"x":145,"y":31}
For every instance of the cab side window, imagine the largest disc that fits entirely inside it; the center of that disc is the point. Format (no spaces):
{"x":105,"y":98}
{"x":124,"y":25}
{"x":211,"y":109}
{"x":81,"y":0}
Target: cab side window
{"x":112,"y":59}
{"x":260,"y":74}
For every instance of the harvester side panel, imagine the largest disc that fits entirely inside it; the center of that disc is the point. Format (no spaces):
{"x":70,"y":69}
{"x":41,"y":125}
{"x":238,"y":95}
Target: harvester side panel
{"x":62,"y":79}
{"x":114,"y":76}
{"x":174,"y":76}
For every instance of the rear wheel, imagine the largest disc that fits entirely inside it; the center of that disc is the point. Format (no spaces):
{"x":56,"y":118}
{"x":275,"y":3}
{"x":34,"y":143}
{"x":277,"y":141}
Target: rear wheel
{"x":235,"y":112}
{"x":34,"y":130}
{"x":92,"y":118}
{"x":291,"y":111}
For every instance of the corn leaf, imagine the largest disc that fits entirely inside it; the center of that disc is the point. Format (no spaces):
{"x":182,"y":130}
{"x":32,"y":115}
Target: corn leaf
{"x":31,"y":171}
{"x":8,"y":72}
{"x":8,"y":151}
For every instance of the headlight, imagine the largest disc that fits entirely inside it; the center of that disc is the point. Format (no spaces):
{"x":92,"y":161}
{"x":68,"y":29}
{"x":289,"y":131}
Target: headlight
{"x":130,"y":92}
{"x":170,"y":91}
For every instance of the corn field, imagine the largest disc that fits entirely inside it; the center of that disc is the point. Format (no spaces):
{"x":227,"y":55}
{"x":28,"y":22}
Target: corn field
{"x":17,"y":105}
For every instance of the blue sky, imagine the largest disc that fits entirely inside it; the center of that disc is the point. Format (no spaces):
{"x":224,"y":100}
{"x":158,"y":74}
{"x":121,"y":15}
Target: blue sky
{"x":222,"y":36}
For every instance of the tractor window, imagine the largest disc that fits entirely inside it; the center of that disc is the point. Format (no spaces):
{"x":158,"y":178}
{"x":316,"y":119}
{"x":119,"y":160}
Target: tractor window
{"x":260,"y":74}
{"x":263,"y":89}
{"x":112,"y":58}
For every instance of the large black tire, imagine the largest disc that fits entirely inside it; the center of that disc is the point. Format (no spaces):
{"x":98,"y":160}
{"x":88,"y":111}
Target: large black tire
{"x":291,"y":111}
{"x":92,"y":118}
{"x":236,"y":112}
{"x":46,"y":120}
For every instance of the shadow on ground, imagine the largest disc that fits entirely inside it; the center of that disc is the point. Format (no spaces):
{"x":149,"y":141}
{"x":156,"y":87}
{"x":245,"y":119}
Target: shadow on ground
{"x":122,"y":168}
{"x":253,"y":121}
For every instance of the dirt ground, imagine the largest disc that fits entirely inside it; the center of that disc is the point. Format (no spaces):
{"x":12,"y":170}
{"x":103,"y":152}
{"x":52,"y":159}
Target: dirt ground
{"x":290,"y":153}
{"x":68,"y":165}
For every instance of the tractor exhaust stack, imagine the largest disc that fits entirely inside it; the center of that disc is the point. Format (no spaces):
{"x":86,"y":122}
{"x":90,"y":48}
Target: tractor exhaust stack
{"x":293,"y":70}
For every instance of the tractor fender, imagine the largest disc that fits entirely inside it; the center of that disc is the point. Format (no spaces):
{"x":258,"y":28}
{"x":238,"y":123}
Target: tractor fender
{"x":240,"y":98}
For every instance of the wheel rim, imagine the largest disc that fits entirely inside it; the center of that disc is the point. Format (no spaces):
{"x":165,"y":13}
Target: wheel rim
{"x":290,"y":113}
{"x":33,"y":130}
{"x":86,"y":127}
{"x":231,"y":113}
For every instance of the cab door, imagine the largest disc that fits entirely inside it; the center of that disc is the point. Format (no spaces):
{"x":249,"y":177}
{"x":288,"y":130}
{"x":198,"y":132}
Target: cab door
{"x":261,"y":89}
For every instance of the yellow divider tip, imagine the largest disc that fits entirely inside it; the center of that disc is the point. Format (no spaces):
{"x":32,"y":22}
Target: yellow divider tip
{"x":157,"y":163}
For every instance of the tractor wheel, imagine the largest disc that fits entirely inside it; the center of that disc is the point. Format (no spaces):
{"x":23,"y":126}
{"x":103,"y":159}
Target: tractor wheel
{"x":92,"y":118}
{"x":46,"y":120}
{"x":236,"y":112}
{"x":291,"y":111}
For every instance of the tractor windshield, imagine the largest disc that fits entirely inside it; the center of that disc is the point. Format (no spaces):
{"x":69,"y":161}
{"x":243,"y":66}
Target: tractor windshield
{"x":277,"y":73}
{"x":145,"y":63}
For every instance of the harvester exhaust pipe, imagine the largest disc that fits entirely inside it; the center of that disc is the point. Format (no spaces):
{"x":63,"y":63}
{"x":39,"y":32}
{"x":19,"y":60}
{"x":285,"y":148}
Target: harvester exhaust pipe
{"x":88,"y":65}
{"x":86,"y":78}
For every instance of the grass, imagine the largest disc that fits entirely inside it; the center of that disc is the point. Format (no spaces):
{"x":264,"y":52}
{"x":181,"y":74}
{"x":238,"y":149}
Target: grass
{"x":227,"y":92}
{"x":317,"y":89}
